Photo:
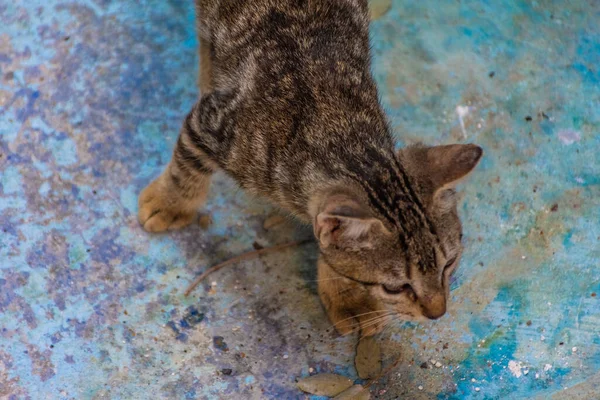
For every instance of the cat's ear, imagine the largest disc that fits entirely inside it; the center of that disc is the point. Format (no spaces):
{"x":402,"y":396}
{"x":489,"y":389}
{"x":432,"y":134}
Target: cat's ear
{"x":344,"y":224}
{"x":445,"y":166}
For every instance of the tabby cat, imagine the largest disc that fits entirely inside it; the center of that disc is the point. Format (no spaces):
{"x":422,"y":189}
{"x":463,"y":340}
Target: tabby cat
{"x":290,"y":110}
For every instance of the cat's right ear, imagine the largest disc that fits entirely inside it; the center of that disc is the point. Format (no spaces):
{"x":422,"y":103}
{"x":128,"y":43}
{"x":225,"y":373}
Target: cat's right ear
{"x":444,"y":166}
{"x":344,"y":224}
{"x":448,"y":165}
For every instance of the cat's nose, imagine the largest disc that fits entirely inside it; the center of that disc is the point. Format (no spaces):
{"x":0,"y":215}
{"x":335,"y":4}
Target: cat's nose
{"x":434,"y":307}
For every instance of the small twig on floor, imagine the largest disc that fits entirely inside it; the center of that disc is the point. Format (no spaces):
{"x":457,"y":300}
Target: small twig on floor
{"x":384,"y":372}
{"x":245,"y":256}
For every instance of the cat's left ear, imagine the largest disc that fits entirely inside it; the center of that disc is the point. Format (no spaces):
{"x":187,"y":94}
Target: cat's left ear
{"x":343,"y":223}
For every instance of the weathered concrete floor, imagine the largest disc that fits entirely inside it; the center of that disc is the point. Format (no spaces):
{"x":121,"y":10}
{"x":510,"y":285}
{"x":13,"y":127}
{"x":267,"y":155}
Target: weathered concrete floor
{"x":92,"y":94}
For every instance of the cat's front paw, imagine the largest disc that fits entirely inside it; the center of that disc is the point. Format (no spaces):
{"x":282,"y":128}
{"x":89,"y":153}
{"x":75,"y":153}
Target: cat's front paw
{"x":159,"y":210}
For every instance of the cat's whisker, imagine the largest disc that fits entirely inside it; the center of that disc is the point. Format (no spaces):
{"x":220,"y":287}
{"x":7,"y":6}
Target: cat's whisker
{"x":358,"y":315}
{"x":389,"y":325}
{"x":355,"y":328}
{"x":358,"y":325}
{"x":346,"y":290}
{"x":374,"y":321}
{"x":374,"y":324}
{"x":327,"y":279}
{"x":362,"y":314}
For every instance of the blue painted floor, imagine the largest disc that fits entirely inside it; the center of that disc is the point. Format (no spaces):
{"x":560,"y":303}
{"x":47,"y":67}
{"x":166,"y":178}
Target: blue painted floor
{"x":92,"y":95}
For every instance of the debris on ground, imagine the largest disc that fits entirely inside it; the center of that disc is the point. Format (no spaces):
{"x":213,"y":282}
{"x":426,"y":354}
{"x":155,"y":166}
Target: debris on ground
{"x":368,"y":358}
{"x":205,"y":221}
{"x":378,"y":8}
{"x":325,"y":384}
{"x":356,"y":392}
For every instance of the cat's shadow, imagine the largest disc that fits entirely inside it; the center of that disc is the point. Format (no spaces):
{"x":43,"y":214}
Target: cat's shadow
{"x":203,"y":249}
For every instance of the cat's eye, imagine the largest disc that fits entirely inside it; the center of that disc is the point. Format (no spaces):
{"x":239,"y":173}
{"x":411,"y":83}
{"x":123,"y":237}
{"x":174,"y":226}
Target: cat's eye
{"x":395,"y":290}
{"x":450,"y":263}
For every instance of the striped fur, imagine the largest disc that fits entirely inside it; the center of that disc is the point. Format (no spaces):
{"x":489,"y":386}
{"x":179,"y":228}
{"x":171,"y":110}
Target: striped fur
{"x":290,"y":110}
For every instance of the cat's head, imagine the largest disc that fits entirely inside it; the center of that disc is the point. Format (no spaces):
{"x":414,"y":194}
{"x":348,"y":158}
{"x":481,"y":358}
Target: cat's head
{"x":401,"y":248}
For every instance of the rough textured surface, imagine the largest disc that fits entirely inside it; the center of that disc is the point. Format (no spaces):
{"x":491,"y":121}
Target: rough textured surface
{"x":92,"y":94}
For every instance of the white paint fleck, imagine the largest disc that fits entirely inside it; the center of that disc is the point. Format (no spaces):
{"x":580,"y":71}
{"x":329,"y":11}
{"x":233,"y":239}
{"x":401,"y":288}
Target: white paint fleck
{"x":285,"y":356}
{"x":543,"y":338}
{"x":569,"y":136}
{"x":310,"y":370}
{"x":462,"y":112}
{"x":473,"y":380}
{"x":515,"y":368}
{"x":438,"y":364}
{"x":579,"y":179}
{"x":477,"y":389}
{"x":420,"y":387}
{"x":574,"y":349}
{"x":525,"y":372}
{"x":547,"y":367}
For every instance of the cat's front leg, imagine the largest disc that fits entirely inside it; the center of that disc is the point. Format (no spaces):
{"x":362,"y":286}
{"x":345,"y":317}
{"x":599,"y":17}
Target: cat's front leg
{"x":338,"y":295}
{"x":173,"y":199}
{"x":348,"y":304}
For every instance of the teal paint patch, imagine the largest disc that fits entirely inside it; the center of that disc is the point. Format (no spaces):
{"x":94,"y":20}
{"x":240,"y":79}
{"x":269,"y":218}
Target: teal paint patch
{"x":11,"y":181}
{"x":63,"y":151}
